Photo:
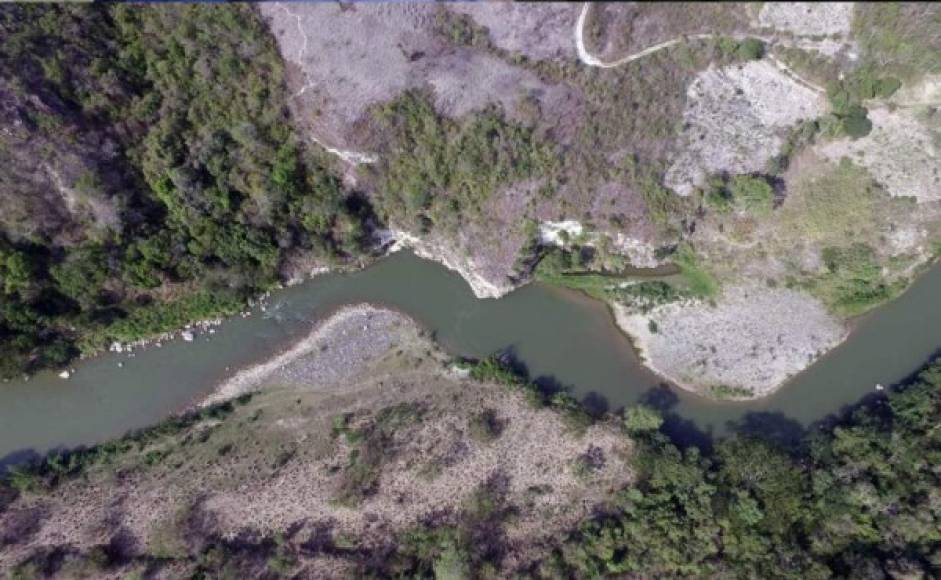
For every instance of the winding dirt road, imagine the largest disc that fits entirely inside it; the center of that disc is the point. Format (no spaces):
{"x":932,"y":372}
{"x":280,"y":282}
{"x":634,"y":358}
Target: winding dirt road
{"x":590,"y":60}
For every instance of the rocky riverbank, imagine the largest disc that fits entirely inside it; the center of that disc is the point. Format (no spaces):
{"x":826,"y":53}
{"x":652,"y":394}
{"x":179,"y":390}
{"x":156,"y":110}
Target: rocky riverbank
{"x":744,"y":346}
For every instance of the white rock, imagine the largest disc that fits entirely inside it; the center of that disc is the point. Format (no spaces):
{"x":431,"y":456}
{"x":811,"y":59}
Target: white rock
{"x":187,"y":336}
{"x":551,"y":232}
{"x":64,"y":374}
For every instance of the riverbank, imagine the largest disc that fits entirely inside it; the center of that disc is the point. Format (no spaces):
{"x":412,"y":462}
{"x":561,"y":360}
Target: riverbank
{"x":341,"y":345}
{"x":401,"y":442}
{"x":744,"y":346}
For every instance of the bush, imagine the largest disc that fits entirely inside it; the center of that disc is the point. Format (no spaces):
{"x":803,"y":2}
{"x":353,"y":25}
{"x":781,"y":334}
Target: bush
{"x":856,"y":126}
{"x":439,"y":169}
{"x":639,"y":419}
{"x":750,"y":49}
{"x":753,"y":193}
{"x":647,"y":294}
{"x":853,"y":283}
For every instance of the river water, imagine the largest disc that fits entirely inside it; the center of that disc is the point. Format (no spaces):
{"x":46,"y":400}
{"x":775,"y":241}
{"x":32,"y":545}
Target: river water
{"x":563,"y":339}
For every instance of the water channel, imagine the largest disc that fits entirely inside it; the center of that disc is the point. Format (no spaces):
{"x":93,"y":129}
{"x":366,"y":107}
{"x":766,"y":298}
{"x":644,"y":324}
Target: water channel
{"x":563,"y":339}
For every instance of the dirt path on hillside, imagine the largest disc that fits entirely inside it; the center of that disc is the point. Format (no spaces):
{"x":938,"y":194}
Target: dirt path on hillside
{"x":590,"y":60}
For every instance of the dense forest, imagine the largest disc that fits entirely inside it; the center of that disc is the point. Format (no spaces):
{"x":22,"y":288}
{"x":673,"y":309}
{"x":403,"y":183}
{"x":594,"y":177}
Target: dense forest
{"x":149,"y":175}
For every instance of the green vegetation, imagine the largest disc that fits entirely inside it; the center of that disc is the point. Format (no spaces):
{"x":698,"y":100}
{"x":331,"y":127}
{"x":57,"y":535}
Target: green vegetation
{"x":855,"y":500}
{"x":462,"y":29}
{"x":847,"y":95}
{"x":568,"y":269}
{"x":647,"y":294}
{"x":216,"y":188}
{"x":151,"y":443}
{"x":438,"y":169}
{"x":752,"y":193}
{"x":745,"y":49}
{"x":641,"y":419}
{"x":798,"y":138}
{"x":729,"y":392}
{"x":853,"y":282}
{"x":899,"y":38}
{"x":838,"y":204}
{"x":700,"y":282}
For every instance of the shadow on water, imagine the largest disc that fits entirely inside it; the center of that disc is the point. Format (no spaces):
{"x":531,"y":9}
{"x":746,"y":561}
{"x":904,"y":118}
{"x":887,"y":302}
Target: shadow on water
{"x":19,"y":457}
{"x":682,"y":432}
{"x":876,"y":402}
{"x":772,"y":427}
{"x":594,"y":402}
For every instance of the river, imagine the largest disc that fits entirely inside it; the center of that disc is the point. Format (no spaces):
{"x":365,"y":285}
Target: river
{"x":563,"y":339}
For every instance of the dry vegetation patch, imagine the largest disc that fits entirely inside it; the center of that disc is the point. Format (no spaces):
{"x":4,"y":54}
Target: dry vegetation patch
{"x":734,"y":121}
{"x":808,"y":18}
{"x":333,"y":478}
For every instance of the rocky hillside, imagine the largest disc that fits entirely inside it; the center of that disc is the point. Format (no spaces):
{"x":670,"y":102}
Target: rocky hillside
{"x":783,"y":156}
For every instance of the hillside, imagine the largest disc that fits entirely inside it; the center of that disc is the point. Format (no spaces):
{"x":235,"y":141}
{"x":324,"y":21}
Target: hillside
{"x":151,"y":176}
{"x":163,"y":165}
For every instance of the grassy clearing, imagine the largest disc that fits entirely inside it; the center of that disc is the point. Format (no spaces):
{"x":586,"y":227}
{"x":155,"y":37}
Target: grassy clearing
{"x":843,"y":203}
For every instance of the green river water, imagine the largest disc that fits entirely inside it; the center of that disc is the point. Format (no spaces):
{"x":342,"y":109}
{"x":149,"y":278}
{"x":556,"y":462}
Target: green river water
{"x":561,"y":337}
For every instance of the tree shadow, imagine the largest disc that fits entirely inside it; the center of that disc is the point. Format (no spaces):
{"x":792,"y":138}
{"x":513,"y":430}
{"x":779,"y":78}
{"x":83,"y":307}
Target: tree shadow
{"x":18,"y":457}
{"x":595,"y":403}
{"x":772,"y":427}
{"x":682,"y":432}
{"x":875,"y":403}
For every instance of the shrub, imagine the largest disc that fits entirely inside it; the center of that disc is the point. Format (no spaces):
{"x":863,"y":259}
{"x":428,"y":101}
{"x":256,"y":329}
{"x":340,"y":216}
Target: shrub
{"x":750,"y":49}
{"x":856,"y":126}
{"x":752,"y":192}
{"x":640,"y":419}
{"x":647,"y":294}
{"x":853,"y":282}
{"x":574,"y":413}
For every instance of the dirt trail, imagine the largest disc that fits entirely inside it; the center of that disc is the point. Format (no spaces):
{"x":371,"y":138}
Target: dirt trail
{"x":351,"y":157}
{"x":590,"y":60}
